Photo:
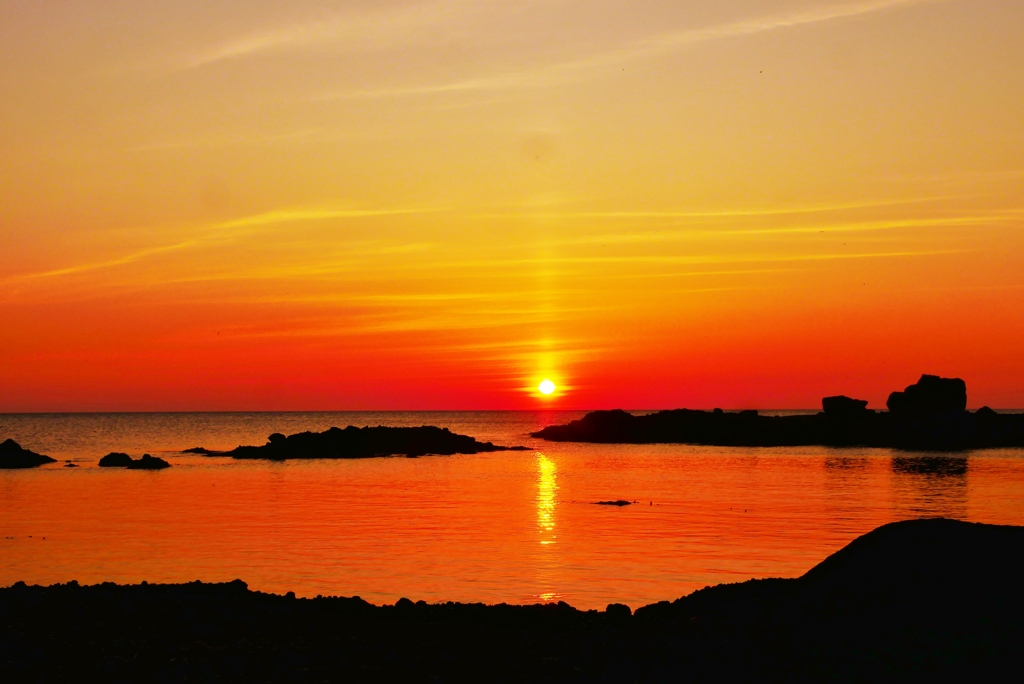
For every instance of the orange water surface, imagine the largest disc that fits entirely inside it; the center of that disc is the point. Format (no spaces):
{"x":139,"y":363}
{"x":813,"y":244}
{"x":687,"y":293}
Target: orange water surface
{"x":517,"y":527}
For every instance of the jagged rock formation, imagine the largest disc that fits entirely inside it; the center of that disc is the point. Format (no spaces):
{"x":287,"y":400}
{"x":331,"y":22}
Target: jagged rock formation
{"x":367,"y":442}
{"x":910,"y":601}
{"x":930,"y":396}
{"x":13,"y":456}
{"x":930,"y":415}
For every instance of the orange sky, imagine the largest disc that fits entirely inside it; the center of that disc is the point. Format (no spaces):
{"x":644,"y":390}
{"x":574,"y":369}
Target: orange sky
{"x":438,"y":203}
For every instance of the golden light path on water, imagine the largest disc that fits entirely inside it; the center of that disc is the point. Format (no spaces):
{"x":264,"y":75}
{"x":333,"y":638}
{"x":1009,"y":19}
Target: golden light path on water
{"x":547,"y":485}
{"x":547,"y":488}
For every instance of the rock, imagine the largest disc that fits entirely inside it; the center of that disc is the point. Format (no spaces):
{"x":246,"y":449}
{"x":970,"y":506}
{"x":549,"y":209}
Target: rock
{"x":618,"y":612}
{"x":198,"y":450}
{"x":120,"y":460}
{"x":115,"y":459}
{"x":148,"y":462}
{"x":366,"y":442}
{"x":930,"y":396}
{"x":843,"y":406}
{"x":13,"y":456}
{"x":619,"y":502}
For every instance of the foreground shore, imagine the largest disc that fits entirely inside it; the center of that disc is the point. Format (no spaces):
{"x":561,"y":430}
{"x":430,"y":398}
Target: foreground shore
{"x":936,"y":598}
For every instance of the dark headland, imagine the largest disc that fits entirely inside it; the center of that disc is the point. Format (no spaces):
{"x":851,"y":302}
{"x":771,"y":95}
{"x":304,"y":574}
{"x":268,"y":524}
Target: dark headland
{"x":930,"y":415}
{"x":12,"y":456}
{"x":936,"y":599}
{"x":366,"y":442}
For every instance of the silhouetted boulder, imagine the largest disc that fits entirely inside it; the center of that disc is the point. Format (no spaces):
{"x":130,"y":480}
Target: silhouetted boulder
{"x":619,"y":502}
{"x":203,"y":451}
{"x":13,"y":456}
{"x":116,"y":459}
{"x":843,"y":406}
{"x":618,"y":612}
{"x":119,"y":460}
{"x":148,"y":462}
{"x":367,"y":442}
{"x":930,"y":396}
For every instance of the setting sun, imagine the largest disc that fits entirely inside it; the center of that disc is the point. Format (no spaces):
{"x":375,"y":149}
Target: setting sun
{"x":546,"y":387}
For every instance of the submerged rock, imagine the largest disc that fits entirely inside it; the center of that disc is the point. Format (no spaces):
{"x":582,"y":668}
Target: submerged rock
{"x":619,"y":502}
{"x":367,"y":442}
{"x":13,"y":456}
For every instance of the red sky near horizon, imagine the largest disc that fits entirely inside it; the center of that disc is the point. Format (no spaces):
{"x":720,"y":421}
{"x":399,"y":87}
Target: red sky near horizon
{"x":436,"y":204}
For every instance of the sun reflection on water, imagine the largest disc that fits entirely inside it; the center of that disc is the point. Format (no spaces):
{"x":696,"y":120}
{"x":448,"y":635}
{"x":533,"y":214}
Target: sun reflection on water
{"x":547,"y":485}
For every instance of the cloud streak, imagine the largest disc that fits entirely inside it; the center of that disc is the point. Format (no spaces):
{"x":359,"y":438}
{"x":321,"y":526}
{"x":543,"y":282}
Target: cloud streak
{"x":666,"y":43}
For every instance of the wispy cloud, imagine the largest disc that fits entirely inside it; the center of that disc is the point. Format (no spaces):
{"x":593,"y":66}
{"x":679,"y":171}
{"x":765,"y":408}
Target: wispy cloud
{"x":374,"y":30}
{"x":233,"y":229}
{"x":665,"y":43}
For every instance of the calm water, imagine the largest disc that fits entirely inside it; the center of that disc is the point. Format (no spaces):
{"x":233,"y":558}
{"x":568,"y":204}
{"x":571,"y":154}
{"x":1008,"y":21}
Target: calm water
{"x":515,"y":527}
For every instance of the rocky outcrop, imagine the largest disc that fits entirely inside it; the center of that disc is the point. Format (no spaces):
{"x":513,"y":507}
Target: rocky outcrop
{"x":929,"y":397}
{"x":844,"y":407}
{"x":119,"y":460}
{"x":13,"y":456}
{"x":115,"y":459}
{"x":148,"y":462}
{"x":928,"y":416}
{"x":367,"y":442}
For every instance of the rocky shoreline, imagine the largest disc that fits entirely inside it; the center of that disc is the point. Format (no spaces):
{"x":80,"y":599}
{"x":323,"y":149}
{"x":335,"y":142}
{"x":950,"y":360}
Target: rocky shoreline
{"x":928,"y":598}
{"x":930,"y":415}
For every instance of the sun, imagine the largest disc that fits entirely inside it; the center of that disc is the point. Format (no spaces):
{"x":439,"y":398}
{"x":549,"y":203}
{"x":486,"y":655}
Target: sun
{"x":546,"y":387}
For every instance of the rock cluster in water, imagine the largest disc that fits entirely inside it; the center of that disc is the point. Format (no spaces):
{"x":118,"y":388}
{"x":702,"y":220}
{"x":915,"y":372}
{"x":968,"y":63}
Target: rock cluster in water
{"x":937,"y":600}
{"x":13,"y":456}
{"x":929,"y":415}
{"x":119,"y":460}
{"x":366,"y":442}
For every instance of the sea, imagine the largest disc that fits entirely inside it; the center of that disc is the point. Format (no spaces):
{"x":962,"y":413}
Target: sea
{"x":505,"y":527}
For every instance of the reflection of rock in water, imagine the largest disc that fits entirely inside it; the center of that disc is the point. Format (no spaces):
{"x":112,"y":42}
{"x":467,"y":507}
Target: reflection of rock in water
{"x":928,"y":486}
{"x":930,"y":465}
{"x":845,"y":463}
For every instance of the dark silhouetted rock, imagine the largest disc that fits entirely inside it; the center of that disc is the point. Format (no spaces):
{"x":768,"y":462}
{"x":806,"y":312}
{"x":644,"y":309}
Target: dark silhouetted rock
{"x":148,"y":462}
{"x":119,"y":460}
{"x":13,"y":456}
{"x":115,"y":459}
{"x":930,"y":396}
{"x":843,"y":406}
{"x":923,"y":600}
{"x":618,"y":611}
{"x":932,"y":419}
{"x":367,"y":442}
{"x":620,"y":502}
{"x":198,"y":450}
